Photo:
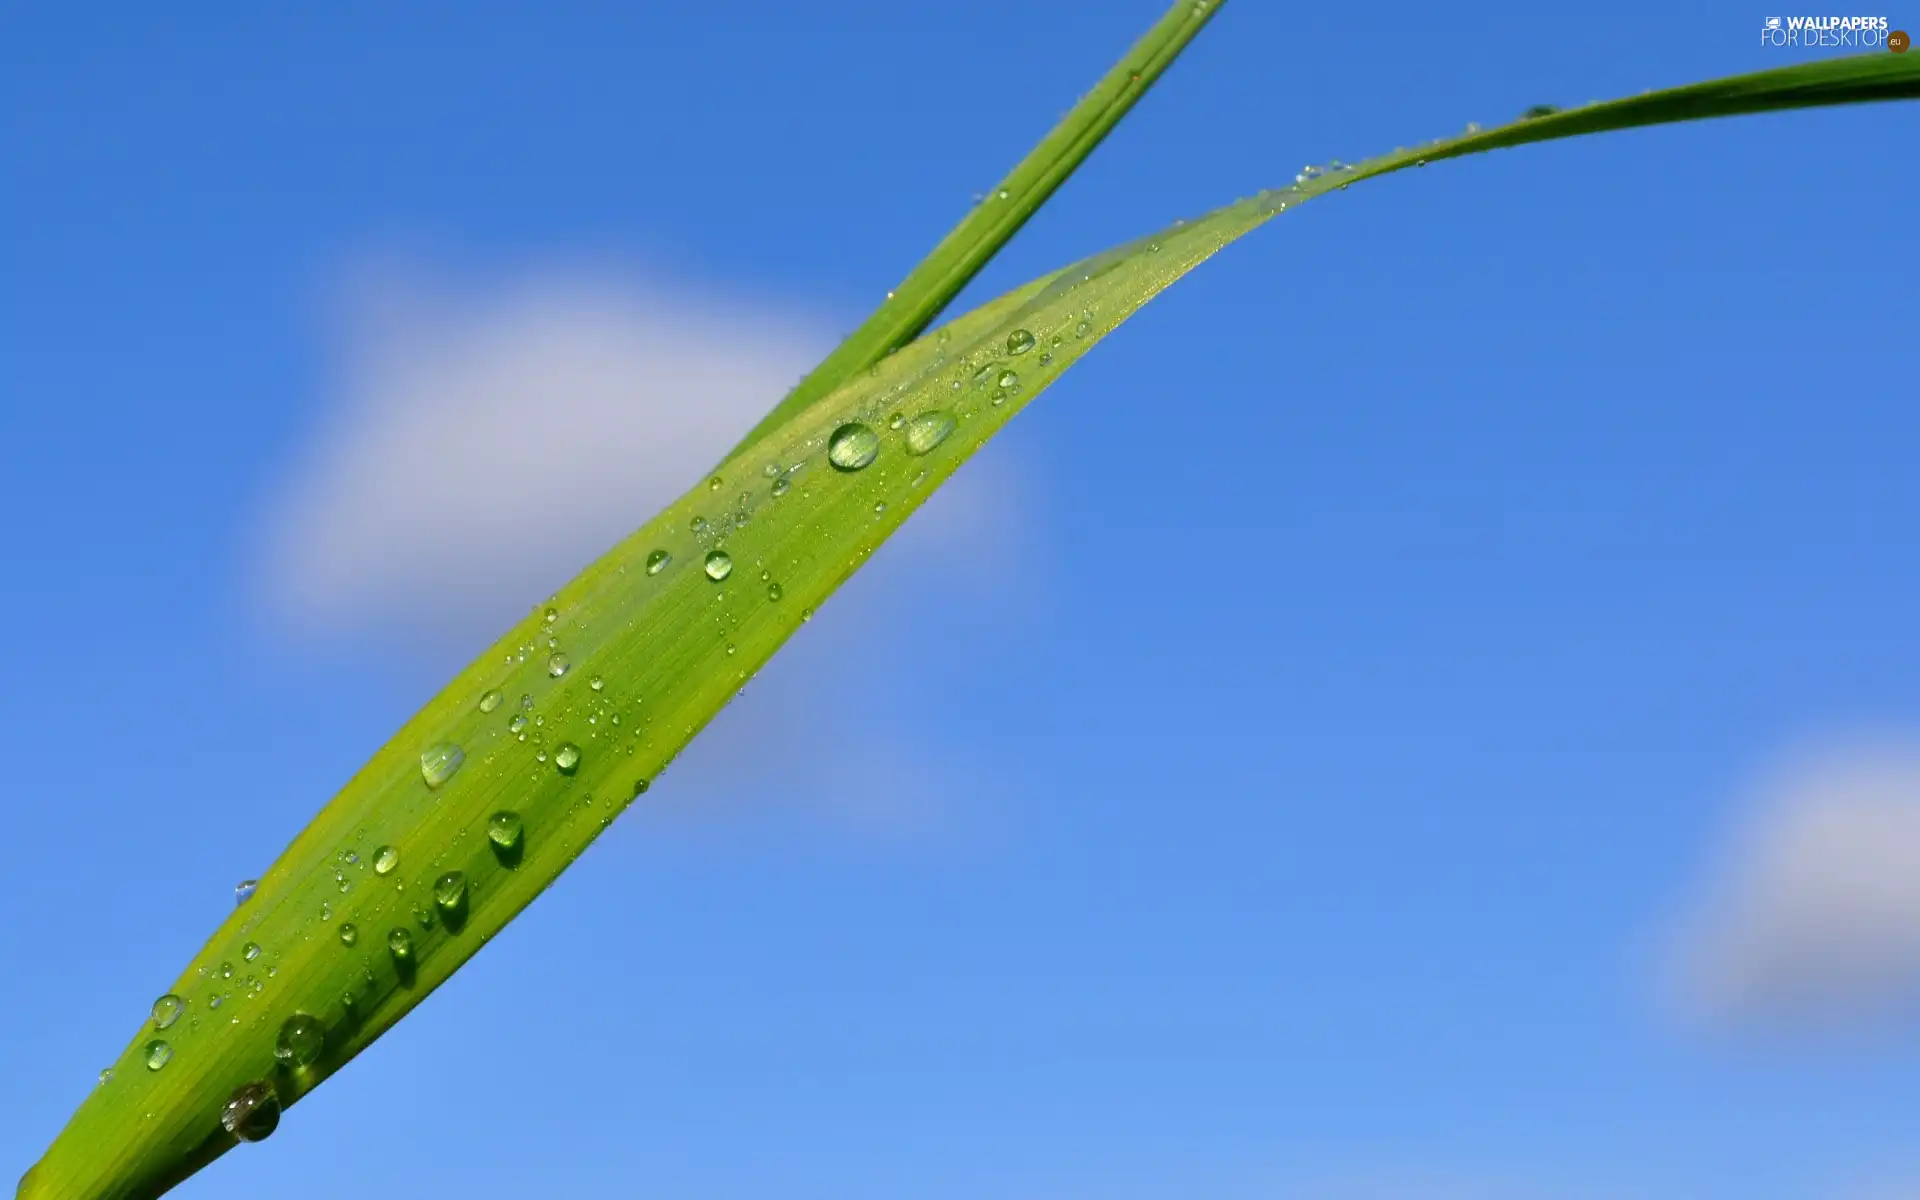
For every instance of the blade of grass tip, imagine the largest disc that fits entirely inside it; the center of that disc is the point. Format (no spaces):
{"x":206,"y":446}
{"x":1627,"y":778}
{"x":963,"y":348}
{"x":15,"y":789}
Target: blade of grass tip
{"x":483,"y":797}
{"x":927,"y":290}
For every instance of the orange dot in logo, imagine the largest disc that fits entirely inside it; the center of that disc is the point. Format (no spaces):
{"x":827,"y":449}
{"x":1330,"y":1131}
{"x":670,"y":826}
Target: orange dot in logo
{"x":1898,"y":41}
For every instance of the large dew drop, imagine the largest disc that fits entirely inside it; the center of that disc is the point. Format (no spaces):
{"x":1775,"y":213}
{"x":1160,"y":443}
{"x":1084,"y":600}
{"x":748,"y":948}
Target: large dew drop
{"x":852,"y":447}
{"x":566,"y":757}
{"x":302,"y":1038}
{"x":491,"y":700}
{"x":252,"y":1112}
{"x":504,"y":830}
{"x":167,"y":1010}
{"x":719,"y":565}
{"x":1019,"y":342}
{"x":243,"y":891}
{"x":558,"y":664}
{"x":450,"y":892}
{"x":156,"y":1054}
{"x":400,"y":945}
{"x":439,"y":761}
{"x":657,"y":561}
{"x":928,"y":430}
{"x":385,"y":859}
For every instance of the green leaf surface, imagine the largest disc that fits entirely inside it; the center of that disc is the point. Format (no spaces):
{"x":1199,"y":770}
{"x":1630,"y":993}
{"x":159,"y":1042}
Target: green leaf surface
{"x":654,"y":639}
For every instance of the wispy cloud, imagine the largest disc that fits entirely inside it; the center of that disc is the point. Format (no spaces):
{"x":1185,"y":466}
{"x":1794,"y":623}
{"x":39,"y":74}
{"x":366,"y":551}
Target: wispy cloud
{"x":1812,"y":912}
{"x":482,"y":441}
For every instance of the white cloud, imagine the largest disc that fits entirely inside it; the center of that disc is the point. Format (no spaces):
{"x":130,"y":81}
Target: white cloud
{"x":1813,"y":911}
{"x":481,"y":443}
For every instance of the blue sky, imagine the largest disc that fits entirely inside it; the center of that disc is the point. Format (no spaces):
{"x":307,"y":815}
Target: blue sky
{"x":1428,"y":709}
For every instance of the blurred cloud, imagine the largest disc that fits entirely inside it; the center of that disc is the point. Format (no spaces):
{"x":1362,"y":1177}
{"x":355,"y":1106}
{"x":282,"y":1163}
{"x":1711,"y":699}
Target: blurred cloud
{"x":483,"y":440}
{"x":1813,"y":911}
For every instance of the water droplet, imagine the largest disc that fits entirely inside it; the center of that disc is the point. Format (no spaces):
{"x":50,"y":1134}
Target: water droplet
{"x":504,"y":830}
{"x":157,"y":1054}
{"x":713,"y":485}
{"x":640,"y":787}
{"x":719,"y":565}
{"x":852,"y":447}
{"x":491,"y":701}
{"x":106,"y":1076}
{"x":385,"y":859}
{"x":302,"y":1038}
{"x":1082,"y":329}
{"x":566,"y":757}
{"x":226,"y":970}
{"x":1538,"y":111}
{"x":896,"y":420}
{"x":243,"y":891}
{"x":1019,"y":342}
{"x":596,"y":683}
{"x":879,"y":506}
{"x":518,"y":723}
{"x":400,"y":944}
{"x":349,"y":933}
{"x":774,"y":592}
{"x":551,"y":615}
{"x":424,"y":915}
{"x":557,"y":664}
{"x":439,"y":761}
{"x":252,"y":1112}
{"x":450,"y":892}
{"x":167,"y":1010}
{"x":250,"y":951}
{"x":781,"y":485}
{"x":928,"y":430}
{"x":657,"y":561}
{"x":770,"y":470}
{"x":1008,"y":380}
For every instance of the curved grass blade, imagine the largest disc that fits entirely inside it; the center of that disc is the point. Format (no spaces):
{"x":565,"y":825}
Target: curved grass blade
{"x":507,"y":775}
{"x":951,"y":265}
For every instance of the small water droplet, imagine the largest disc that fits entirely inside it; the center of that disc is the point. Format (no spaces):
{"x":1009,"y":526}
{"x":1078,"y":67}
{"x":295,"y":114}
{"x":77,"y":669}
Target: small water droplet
{"x":596,"y":683}
{"x":250,"y":951}
{"x":385,"y":859}
{"x":852,"y":447}
{"x":302,"y":1038}
{"x":156,"y":1054}
{"x":879,"y":506}
{"x":566,"y":758}
{"x":518,"y":723}
{"x":558,"y":664}
{"x":491,"y":701}
{"x":1019,"y":341}
{"x":252,"y":1113}
{"x":928,"y":430}
{"x":1539,"y":110}
{"x":657,"y":561}
{"x":781,"y":485}
{"x":167,"y":1010}
{"x":551,"y":615}
{"x":106,"y":1076}
{"x":400,"y":944}
{"x":1082,"y":329}
{"x":713,"y":485}
{"x":226,"y":970}
{"x":349,"y":933}
{"x":243,"y":891}
{"x":719,"y":565}
{"x":504,"y":830}
{"x":896,"y":420}
{"x":773,"y":591}
{"x":439,"y":761}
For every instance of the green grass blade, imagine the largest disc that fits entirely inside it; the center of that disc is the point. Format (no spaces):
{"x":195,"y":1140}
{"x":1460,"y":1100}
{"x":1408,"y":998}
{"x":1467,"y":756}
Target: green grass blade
{"x":951,"y":265}
{"x":648,"y":655}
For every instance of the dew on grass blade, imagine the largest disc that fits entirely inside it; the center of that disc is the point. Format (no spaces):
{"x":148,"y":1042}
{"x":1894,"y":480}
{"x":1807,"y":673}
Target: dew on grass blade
{"x":243,"y":891}
{"x":928,"y":430}
{"x":504,"y":830}
{"x":852,"y":447}
{"x":156,"y":1054}
{"x":302,"y":1038}
{"x":558,"y":664}
{"x":657,"y":561}
{"x":450,"y":891}
{"x":167,"y":1010}
{"x":719,"y":565}
{"x":252,"y":1112}
{"x":1019,"y":342}
{"x":385,"y":859}
{"x":566,"y":757}
{"x":439,"y":761}
{"x":491,"y":701}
